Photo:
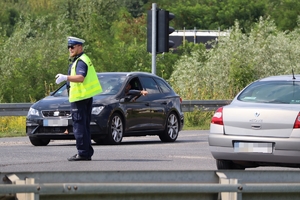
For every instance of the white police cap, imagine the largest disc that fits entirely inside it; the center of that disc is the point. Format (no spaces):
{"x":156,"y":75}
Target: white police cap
{"x":75,"y":40}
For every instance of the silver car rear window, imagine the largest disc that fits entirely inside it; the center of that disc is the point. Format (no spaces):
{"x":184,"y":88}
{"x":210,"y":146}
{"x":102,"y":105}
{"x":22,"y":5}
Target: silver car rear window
{"x":279,"y":92}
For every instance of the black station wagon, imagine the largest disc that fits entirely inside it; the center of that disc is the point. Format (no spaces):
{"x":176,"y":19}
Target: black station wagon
{"x":115,"y":114}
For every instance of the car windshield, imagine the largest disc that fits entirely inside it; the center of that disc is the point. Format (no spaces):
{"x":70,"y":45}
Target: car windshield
{"x":280,"y":92}
{"x":111,"y":84}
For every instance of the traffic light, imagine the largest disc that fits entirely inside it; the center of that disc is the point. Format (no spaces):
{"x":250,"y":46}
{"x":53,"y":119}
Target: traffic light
{"x":162,"y":31}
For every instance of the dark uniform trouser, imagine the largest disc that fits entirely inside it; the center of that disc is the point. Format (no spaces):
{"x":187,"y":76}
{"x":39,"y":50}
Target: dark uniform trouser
{"x":81,"y":116}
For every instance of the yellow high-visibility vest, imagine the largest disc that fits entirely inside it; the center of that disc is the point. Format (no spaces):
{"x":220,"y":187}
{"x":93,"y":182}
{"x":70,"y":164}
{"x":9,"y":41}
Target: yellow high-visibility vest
{"x":89,"y":87}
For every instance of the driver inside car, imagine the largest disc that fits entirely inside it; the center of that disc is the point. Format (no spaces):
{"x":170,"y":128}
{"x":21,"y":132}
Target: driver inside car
{"x":138,"y":93}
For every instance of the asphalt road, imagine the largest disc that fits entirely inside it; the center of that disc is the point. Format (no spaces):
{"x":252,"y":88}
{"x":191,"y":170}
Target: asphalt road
{"x":189,"y":152}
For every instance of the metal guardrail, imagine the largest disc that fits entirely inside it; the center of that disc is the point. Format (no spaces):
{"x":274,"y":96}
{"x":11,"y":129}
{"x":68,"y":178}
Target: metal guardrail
{"x":205,"y":105}
{"x":221,"y":185}
{"x":14,"y":109}
{"x":21,"y":109}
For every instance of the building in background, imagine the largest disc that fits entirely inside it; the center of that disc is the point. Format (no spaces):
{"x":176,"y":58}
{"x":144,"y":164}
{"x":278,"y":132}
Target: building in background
{"x":179,"y":37}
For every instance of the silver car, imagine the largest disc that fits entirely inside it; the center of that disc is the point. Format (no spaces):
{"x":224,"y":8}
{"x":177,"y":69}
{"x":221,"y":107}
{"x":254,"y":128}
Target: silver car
{"x":260,"y":127}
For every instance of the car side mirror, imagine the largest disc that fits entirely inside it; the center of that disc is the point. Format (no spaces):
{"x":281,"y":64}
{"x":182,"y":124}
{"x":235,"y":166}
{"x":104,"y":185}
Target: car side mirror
{"x":133,"y":92}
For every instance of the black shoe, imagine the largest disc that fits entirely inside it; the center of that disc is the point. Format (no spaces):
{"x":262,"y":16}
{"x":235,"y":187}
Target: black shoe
{"x":77,"y":157}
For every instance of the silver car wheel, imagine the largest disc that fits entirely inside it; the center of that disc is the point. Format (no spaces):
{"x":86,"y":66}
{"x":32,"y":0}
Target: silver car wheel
{"x":171,"y":131}
{"x":173,"y":126}
{"x":117,"y":129}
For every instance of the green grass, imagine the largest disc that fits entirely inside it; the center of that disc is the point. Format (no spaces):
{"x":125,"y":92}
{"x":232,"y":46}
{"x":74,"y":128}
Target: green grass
{"x":187,"y":128}
{"x":197,"y":120}
{"x":12,"y":126}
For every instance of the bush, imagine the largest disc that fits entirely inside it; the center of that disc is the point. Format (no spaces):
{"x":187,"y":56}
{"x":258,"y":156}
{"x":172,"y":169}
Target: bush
{"x":198,"y":119}
{"x":12,"y":126}
{"x":234,"y":62}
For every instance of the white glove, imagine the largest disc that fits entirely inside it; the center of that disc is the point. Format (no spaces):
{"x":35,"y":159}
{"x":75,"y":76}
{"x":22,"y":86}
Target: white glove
{"x":60,"y":78}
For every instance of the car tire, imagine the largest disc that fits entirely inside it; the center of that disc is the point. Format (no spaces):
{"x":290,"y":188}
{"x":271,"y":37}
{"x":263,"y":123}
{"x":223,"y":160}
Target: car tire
{"x":228,"y":164}
{"x":39,"y":142}
{"x":171,"y":131}
{"x":100,"y":140}
{"x":115,"y":130}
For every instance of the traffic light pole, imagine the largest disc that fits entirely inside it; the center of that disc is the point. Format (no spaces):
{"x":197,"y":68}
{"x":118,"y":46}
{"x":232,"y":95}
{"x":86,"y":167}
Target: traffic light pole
{"x":158,"y":31}
{"x":154,"y":13}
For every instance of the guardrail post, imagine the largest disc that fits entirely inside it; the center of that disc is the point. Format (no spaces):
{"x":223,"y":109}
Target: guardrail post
{"x":23,"y":196}
{"x":227,"y":195}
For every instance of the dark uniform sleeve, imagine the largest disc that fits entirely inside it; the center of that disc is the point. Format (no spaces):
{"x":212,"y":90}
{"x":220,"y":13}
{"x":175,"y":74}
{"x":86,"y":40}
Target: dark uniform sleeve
{"x":81,"y":68}
{"x":68,"y":83}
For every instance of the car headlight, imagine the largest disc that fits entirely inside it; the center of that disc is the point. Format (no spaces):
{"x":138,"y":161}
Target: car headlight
{"x":97,"y":110}
{"x":33,"y":111}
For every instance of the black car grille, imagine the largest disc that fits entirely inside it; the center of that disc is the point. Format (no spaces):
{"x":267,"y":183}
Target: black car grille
{"x":56,"y":113}
{"x":49,"y":130}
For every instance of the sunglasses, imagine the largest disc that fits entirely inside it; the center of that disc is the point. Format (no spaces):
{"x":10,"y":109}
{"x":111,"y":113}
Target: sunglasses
{"x":71,"y":46}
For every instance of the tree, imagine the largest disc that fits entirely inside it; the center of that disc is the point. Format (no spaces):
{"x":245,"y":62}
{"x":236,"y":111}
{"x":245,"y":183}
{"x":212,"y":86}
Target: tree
{"x":31,"y":59}
{"x":135,"y":7}
{"x":284,"y":13}
{"x":237,"y":60}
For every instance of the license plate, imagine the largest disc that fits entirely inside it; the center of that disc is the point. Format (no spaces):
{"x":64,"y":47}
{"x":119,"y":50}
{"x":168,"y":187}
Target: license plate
{"x":253,"y":147}
{"x":55,"y":122}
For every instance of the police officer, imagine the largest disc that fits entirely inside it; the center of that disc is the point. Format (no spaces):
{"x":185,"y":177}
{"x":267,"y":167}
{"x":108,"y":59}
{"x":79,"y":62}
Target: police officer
{"x":83,"y":84}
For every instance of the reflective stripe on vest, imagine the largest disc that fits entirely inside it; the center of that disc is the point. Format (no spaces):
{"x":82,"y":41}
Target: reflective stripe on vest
{"x":89,"y":87}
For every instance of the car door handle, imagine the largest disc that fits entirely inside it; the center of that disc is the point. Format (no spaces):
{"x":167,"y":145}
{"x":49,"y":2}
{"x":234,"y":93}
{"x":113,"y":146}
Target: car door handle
{"x":164,"y":103}
{"x":147,"y":104}
{"x":256,"y":126}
